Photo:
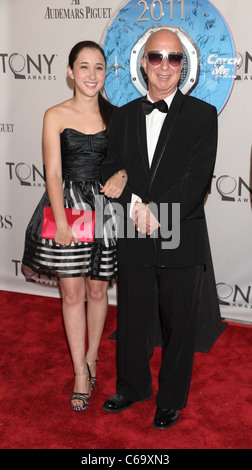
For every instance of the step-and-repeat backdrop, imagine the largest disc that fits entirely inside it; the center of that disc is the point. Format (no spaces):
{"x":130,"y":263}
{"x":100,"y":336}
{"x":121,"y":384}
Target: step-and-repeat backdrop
{"x":35,"y":40}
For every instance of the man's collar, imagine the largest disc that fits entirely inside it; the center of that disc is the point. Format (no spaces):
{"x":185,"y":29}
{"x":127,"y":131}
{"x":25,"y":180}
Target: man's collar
{"x":168,"y":100}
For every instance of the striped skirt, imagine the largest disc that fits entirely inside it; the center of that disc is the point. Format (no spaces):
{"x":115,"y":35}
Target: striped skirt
{"x":43,"y":259}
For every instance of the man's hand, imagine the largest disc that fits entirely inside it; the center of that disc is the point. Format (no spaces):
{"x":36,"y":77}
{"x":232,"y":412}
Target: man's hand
{"x":144,"y":220}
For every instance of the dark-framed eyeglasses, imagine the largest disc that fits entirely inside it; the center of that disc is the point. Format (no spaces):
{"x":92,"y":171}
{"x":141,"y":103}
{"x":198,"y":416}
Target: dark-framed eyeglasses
{"x":157,"y":57}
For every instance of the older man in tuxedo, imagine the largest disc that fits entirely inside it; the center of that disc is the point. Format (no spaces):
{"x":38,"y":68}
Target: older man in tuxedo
{"x":166,"y":145}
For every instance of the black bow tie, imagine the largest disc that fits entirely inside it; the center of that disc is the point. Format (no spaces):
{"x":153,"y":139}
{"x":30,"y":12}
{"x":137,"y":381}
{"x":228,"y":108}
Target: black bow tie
{"x":148,"y":107}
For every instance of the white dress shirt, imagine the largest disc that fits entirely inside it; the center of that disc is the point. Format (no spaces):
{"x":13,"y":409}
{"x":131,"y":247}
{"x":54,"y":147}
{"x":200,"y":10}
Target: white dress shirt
{"x":154,"y":122}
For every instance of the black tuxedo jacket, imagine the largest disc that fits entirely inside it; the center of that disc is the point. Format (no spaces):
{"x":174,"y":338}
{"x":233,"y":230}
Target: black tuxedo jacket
{"x":181,"y":173}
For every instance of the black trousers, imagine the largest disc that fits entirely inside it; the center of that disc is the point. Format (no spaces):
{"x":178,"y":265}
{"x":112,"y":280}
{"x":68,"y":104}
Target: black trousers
{"x":143,"y":294}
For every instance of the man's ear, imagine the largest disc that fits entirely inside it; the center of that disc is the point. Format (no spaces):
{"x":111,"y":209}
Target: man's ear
{"x":143,"y":62}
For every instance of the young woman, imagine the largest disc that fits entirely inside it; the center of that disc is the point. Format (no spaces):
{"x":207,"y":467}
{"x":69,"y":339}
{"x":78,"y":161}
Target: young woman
{"x":75,"y":135}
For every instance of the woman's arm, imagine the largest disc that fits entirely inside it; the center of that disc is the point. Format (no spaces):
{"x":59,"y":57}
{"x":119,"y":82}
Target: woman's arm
{"x":115,"y":185}
{"x":53,"y":169}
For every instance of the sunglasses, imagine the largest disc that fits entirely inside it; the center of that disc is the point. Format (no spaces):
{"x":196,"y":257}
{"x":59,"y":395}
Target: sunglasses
{"x":157,"y":57}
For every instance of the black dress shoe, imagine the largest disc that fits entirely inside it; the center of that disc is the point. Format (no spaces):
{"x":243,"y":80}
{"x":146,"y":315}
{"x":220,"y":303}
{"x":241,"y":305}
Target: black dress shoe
{"x":117,"y":403}
{"x":164,"y":419}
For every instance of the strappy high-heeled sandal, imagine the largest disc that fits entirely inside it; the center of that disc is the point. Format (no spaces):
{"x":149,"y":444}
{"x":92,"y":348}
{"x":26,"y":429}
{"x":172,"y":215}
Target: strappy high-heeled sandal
{"x":83,"y":397}
{"x":92,"y":378}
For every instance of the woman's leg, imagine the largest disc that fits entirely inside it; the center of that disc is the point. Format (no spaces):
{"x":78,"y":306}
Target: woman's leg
{"x":97,"y":306}
{"x":73,"y":308}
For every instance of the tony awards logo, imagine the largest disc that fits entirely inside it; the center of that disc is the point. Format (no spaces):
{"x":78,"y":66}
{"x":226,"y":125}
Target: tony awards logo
{"x":25,"y":66}
{"x":27,"y":175}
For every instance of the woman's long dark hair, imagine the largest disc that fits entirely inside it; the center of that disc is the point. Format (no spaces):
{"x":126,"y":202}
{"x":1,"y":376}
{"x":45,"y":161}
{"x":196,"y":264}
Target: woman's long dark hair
{"x":106,"y":108}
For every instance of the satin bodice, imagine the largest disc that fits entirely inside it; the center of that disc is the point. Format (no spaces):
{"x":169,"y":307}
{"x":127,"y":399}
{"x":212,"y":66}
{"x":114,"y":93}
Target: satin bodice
{"x":82,"y":155}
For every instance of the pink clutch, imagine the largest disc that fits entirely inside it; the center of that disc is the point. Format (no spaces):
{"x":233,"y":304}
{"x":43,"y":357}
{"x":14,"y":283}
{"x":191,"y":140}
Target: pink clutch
{"x":82,"y":222}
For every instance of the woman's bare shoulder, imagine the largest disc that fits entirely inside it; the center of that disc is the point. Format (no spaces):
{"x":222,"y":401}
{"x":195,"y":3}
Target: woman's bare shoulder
{"x":56,"y":115}
{"x":59,"y":109}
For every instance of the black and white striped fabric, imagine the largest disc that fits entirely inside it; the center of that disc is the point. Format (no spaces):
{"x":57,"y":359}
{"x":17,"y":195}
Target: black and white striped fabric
{"x":43,"y":259}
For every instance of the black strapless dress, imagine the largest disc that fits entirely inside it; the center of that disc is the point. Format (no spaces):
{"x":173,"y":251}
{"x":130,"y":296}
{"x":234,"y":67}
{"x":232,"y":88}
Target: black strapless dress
{"x":42,"y":260}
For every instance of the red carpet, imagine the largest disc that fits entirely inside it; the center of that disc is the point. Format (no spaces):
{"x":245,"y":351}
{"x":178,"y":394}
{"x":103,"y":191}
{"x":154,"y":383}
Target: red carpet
{"x":37,"y":380}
